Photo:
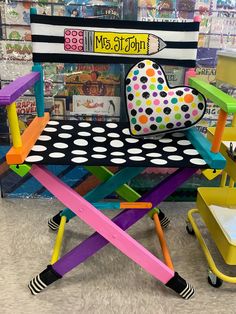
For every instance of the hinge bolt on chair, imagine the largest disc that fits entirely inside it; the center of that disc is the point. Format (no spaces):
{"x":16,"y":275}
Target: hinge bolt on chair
{"x":153,"y":108}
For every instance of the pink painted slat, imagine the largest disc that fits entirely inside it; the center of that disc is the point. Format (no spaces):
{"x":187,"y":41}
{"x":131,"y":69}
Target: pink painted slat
{"x":103,"y":225}
{"x":9,"y":93}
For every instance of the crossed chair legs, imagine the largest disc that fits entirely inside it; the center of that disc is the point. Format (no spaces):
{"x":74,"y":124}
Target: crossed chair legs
{"x":110,"y":231}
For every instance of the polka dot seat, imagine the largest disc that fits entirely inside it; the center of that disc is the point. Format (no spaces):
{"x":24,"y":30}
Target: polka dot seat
{"x":109,"y":143}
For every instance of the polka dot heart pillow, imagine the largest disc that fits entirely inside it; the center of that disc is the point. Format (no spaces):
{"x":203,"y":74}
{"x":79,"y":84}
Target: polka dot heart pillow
{"x":154,"y":107}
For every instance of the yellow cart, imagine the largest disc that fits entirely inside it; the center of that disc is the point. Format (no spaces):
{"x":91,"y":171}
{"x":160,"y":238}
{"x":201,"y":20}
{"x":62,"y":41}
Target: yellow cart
{"x":217,"y":208}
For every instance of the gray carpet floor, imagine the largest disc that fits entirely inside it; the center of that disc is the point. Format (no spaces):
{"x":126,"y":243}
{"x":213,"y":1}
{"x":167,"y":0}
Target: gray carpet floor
{"x":108,"y":282}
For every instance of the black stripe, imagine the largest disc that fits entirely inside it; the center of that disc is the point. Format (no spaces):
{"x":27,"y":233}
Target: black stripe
{"x":71,"y":21}
{"x":60,"y":40}
{"x":48,"y":39}
{"x":71,"y":58}
{"x":181,"y":44}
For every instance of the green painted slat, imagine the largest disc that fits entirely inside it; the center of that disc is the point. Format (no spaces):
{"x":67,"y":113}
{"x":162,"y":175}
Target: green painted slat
{"x":223,"y":100}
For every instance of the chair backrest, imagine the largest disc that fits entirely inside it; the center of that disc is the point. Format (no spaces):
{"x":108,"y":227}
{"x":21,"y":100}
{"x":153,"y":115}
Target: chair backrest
{"x":80,"y":40}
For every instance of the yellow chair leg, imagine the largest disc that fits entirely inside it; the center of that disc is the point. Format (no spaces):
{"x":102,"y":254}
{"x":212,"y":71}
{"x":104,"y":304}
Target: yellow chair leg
{"x":223,"y":179}
{"x":57,"y":247}
{"x":14,"y":125}
{"x":231,"y":183}
{"x":234,"y":120}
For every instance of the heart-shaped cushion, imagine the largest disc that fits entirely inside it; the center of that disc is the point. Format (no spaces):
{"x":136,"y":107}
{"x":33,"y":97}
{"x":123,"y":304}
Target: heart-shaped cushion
{"x":154,"y":107}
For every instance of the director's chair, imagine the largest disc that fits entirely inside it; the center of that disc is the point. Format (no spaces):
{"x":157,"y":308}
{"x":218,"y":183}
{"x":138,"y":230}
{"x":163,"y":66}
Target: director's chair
{"x":96,"y":146}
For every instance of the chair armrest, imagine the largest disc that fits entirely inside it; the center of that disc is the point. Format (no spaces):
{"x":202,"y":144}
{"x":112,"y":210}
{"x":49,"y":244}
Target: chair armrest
{"x":220,"y":98}
{"x":9,"y":93}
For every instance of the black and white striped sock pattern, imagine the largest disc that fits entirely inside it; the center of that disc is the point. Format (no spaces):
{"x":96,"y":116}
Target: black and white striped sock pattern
{"x":179,"y":285}
{"x":163,"y":219}
{"x":188,"y":292}
{"x":36,"y":285}
{"x":54,"y":223}
{"x":44,"y":279}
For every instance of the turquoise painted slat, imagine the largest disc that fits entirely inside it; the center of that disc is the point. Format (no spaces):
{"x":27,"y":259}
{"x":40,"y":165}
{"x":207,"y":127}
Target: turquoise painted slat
{"x":39,"y":90}
{"x":203,"y":146}
{"x":107,"y":187}
{"x":106,"y":205}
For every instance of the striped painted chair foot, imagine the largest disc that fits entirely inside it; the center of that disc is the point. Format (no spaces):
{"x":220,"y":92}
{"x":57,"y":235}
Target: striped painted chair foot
{"x":44,"y":279}
{"x":180,"y":286}
{"x":54,"y":222}
{"x":165,"y":221}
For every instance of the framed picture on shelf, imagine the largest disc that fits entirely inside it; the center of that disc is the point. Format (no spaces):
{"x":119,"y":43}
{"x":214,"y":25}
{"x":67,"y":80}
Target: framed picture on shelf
{"x":59,"y":107}
{"x":89,"y":105}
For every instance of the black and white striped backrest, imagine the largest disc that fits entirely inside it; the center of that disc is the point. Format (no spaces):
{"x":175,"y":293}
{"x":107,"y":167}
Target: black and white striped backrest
{"x":79,"y":40}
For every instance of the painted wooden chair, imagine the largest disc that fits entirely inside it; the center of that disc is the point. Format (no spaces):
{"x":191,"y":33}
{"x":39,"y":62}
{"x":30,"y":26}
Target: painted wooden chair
{"x":98,"y":145}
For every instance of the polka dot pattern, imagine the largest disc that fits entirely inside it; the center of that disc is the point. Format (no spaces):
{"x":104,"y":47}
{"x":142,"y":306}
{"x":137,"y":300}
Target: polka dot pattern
{"x":82,"y":143}
{"x":154,"y":107}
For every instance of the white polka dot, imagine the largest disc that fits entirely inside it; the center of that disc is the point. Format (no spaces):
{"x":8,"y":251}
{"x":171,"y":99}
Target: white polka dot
{"x":159,"y":161}
{"x":56,"y":155}
{"x":116,"y":143}
{"x":170,"y":149}
{"x":44,"y":138}
{"x":126,"y":131}
{"x":184,"y":142}
{"x":114,"y":135}
{"x":34,"y":158}
{"x":165,"y":140}
{"x":134,"y":151}
{"x":98,"y":130}
{"x":191,"y":152}
{"x":64,"y":135}
{"x":117,"y":154}
{"x":98,"y":156}
{"x":39,"y":148}
{"x":50,"y":129}
{"x":131,"y":140}
{"x":198,"y":161}
{"x":99,"y":149}
{"x":84,"y":124}
{"x":112,"y":125}
{"x":118,"y":160}
{"x":175,"y":157}
{"x":84,"y":133}
{"x":149,"y":146}
{"x":80,"y":142}
{"x":178,"y":134}
{"x":79,"y":160}
{"x":67,"y":127}
{"x":60,"y":145}
{"x":79,"y":152}
{"x":99,"y":139}
{"x":53,"y":122}
{"x":153,"y":155}
{"x":136,"y":158}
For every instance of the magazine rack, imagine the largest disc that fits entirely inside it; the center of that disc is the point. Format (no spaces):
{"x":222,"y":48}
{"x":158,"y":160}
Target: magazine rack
{"x":97,"y":146}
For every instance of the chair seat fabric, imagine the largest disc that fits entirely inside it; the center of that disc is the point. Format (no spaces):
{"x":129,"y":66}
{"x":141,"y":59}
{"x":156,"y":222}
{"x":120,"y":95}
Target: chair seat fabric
{"x":109,"y":143}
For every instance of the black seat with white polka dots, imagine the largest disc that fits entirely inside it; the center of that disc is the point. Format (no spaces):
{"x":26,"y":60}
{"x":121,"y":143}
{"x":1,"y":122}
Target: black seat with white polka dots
{"x":110,"y":143}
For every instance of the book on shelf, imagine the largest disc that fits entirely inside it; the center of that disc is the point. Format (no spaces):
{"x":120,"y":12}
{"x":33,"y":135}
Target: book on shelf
{"x":90,"y":8}
{"x":94,"y":88}
{"x":18,"y":13}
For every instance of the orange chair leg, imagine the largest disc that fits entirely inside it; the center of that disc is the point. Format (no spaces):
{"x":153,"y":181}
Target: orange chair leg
{"x":220,"y":126}
{"x":162,"y":240}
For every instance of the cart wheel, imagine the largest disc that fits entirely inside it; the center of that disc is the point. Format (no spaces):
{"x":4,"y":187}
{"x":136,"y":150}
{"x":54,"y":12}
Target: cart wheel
{"x":213,"y":280}
{"x":189,"y":228}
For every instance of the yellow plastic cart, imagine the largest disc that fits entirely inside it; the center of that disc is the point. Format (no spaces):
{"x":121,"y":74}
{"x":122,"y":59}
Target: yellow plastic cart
{"x":217,"y":208}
